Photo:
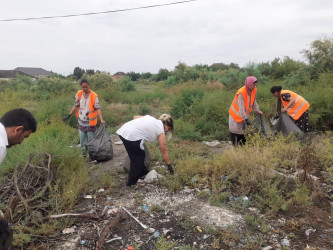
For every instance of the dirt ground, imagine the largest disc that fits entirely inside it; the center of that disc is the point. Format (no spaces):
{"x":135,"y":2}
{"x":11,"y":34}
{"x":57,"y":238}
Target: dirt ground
{"x":182,"y":217}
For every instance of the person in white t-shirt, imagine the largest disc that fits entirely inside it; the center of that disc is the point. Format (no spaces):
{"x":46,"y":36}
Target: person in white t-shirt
{"x":15,"y":126}
{"x":138,"y":131}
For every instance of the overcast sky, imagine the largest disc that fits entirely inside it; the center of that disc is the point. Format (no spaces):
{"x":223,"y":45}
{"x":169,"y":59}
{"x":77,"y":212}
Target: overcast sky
{"x":204,"y":31}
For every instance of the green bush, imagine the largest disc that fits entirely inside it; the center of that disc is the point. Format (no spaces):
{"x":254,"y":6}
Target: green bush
{"x":184,"y":105}
{"x":126,"y":84}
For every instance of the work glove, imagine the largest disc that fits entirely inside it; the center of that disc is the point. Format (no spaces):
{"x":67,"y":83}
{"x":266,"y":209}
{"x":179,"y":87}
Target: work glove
{"x":67,"y":118}
{"x":170,"y":169}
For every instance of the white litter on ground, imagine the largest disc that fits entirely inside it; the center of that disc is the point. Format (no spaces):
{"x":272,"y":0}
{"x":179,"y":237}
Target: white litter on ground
{"x":212,"y":143}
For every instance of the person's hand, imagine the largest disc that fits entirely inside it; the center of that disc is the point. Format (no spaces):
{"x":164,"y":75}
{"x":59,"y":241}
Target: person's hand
{"x":260,"y":113}
{"x":67,"y":118}
{"x":283,"y":110}
{"x":102,"y":121}
{"x":170,"y":169}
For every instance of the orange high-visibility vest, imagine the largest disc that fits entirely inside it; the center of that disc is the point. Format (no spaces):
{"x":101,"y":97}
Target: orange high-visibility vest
{"x":92,"y":112}
{"x":300,"y":106}
{"x":234,"y":108}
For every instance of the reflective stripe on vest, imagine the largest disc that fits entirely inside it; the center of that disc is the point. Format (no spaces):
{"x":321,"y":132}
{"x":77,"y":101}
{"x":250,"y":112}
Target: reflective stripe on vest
{"x":92,"y":113}
{"x":298,"y":108}
{"x":234,"y":108}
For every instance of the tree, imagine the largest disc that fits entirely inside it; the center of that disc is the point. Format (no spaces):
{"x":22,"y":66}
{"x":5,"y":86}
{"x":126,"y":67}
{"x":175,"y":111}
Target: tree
{"x":146,"y":75}
{"x":78,"y":72}
{"x":320,"y":56}
{"x":162,"y":75}
{"x":134,"y":76}
{"x":90,"y":72}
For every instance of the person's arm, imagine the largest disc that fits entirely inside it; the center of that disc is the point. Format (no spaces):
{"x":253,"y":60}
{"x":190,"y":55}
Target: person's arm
{"x":163,"y":148}
{"x":3,"y":153}
{"x":99,"y":112}
{"x":291,"y":103}
{"x":137,"y":117}
{"x":73,"y":109}
{"x":242,"y":108}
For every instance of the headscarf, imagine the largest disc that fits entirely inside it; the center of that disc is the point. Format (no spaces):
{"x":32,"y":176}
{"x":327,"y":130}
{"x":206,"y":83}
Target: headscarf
{"x":249,"y":83}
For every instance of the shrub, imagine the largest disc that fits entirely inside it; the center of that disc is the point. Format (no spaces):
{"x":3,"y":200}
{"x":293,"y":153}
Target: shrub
{"x":126,"y":84}
{"x":185,"y":104}
{"x":99,"y":80}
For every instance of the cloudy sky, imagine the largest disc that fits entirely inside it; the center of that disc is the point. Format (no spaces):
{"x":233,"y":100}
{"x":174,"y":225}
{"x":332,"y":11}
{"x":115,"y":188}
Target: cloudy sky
{"x":204,"y":31}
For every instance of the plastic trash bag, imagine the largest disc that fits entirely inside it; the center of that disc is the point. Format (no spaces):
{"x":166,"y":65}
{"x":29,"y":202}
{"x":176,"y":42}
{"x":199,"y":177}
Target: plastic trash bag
{"x":261,"y":126}
{"x":127,"y":166}
{"x":100,"y":147}
{"x":285,"y":125}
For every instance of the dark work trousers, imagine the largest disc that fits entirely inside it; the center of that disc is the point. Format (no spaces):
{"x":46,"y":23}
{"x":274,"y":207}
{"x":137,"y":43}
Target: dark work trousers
{"x":137,"y":157}
{"x":237,"y":139}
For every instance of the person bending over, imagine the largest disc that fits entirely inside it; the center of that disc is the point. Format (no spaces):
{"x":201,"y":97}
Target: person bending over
{"x":138,"y":131}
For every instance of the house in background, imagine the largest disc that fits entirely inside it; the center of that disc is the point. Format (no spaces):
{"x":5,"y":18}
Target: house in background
{"x":119,"y":75}
{"x":34,"y":72}
{"x":6,"y":75}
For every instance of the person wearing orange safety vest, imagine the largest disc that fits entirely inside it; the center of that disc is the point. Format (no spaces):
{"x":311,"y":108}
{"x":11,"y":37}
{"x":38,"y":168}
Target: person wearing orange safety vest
{"x":87,"y":110}
{"x":295,"y":105}
{"x":240,"y":109}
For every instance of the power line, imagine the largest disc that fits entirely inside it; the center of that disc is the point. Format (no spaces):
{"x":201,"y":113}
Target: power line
{"x":94,"y":13}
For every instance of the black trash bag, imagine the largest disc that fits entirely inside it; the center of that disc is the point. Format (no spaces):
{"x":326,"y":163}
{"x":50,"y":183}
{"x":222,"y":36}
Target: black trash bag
{"x":100,"y":147}
{"x":127,"y":166}
{"x":285,"y":125}
{"x":261,"y":126}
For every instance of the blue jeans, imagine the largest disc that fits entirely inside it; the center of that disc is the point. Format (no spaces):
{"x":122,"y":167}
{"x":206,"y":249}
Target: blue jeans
{"x":84,"y":138}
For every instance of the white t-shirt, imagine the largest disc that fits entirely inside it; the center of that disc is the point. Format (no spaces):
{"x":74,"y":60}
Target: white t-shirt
{"x":146,"y":128}
{"x":3,"y":142}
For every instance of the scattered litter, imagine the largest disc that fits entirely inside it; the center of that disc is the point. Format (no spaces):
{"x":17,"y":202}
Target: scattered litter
{"x":194,"y":243}
{"x":112,"y":210}
{"x":199,"y":229}
{"x":69,"y":230}
{"x":137,"y":220}
{"x":83,"y":242}
{"x":285,"y":242}
{"x":224,"y":177}
{"x":156,"y":235}
{"x":118,"y":143}
{"x":89,"y":196}
{"x":166,"y":231}
{"x":145,"y":208}
{"x":194,"y":179}
{"x":109,"y":198}
{"x":267,"y":248}
{"x":166,"y":211}
{"x":114,"y":239}
{"x":150,"y":230}
{"x":101,"y":190}
{"x":246,"y":201}
{"x":206,"y":236}
{"x":152,"y":176}
{"x":212,"y":143}
{"x":130,"y":248}
{"x":309,"y":231}
{"x":232,"y":198}
{"x":277,"y":231}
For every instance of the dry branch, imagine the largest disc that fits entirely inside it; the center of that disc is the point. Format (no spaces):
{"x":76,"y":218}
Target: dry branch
{"x":18,"y":190}
{"x":88,"y":216}
{"x":106,"y":231}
